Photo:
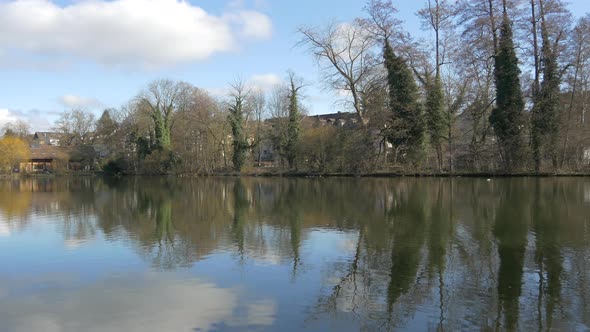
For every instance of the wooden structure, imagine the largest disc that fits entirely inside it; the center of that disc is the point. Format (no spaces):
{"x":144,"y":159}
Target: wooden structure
{"x":44,"y":158}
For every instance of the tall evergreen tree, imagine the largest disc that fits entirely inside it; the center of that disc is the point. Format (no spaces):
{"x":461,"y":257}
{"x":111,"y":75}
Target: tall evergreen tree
{"x":545,"y":122}
{"x":236,"y":120}
{"x":105,"y":127}
{"x":293,"y":124}
{"x":507,"y":118}
{"x":407,"y":126}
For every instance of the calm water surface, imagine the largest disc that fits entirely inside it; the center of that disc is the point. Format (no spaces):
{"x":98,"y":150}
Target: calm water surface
{"x":83,"y":254}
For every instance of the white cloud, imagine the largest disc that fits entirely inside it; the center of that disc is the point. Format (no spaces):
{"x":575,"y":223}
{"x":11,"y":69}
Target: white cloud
{"x":6,"y":117}
{"x":253,"y":24}
{"x":148,"y":33}
{"x":259,"y":83}
{"x":264,"y":82}
{"x":73,"y":101}
{"x":38,"y":120}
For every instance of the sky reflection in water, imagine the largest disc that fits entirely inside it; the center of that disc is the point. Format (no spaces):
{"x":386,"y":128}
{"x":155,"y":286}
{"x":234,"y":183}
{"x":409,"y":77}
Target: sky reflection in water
{"x":294,"y":254}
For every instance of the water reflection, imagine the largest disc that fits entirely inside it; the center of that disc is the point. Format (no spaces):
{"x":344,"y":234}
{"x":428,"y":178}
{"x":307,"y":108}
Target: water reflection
{"x":150,"y":302}
{"x":292,"y":254}
{"x":510,"y":229}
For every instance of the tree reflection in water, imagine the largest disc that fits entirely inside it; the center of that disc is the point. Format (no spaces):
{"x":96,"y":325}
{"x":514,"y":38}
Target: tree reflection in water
{"x":434,"y":254}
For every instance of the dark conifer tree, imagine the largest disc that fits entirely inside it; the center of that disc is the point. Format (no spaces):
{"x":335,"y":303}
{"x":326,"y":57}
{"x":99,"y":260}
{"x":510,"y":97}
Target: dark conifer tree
{"x":239,"y":143}
{"x":407,"y":125}
{"x":507,"y":118}
{"x":293,"y":124}
{"x":545,"y":121}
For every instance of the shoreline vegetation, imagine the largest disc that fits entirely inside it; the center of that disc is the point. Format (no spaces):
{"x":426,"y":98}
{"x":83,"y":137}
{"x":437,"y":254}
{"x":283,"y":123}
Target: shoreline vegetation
{"x":513,"y":103}
{"x":294,"y":174}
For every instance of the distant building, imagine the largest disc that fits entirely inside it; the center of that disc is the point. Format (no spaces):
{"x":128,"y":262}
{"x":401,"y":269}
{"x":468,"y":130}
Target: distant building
{"x":46,"y":138}
{"x":339,"y":119}
{"x":44,"y":158}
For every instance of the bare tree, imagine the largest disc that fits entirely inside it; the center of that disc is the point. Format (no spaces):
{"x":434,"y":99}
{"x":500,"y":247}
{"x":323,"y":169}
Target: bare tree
{"x":258,"y":104}
{"x":160,"y":100}
{"x":75,"y":127}
{"x":278,"y":107}
{"x":345,"y":54}
{"x":437,"y":15}
{"x":18,"y":128}
{"x":576,"y":128}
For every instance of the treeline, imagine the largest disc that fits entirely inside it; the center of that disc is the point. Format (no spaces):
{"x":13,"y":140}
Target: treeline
{"x":502,"y":86}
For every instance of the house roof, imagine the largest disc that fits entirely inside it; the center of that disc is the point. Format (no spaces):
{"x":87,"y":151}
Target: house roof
{"x":340,"y":119}
{"x":46,"y":134}
{"x":48,"y":152}
{"x":335,"y":116}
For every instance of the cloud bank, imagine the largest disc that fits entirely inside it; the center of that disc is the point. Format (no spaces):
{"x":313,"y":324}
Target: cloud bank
{"x":6,"y":117}
{"x":38,"y":120}
{"x":149,"y":33}
{"x":74,"y":101}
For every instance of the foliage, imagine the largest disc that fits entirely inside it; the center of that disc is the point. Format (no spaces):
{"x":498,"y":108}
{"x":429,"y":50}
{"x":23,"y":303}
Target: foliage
{"x":160,"y":101}
{"x":545,"y":120}
{"x":159,"y":162}
{"x":317,"y":147}
{"x":507,"y":117}
{"x":240,"y":144}
{"x":115,"y":167}
{"x":12,"y":151}
{"x":106,"y":129}
{"x":406,"y":131}
{"x":457,"y":95}
{"x":293,"y":124}
{"x":328,"y":149}
{"x":435,"y":119}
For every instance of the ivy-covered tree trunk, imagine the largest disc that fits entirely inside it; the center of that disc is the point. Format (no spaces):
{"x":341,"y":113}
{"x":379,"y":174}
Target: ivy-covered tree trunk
{"x":434,"y":117}
{"x":507,"y":118}
{"x":545,"y":122}
{"x":293,"y":125}
{"x":406,"y":132}
{"x":161,"y":130}
{"x":239,"y":143}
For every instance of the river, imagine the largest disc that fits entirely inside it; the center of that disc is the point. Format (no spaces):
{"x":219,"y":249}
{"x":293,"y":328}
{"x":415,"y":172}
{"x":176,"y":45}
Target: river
{"x":274,"y":254}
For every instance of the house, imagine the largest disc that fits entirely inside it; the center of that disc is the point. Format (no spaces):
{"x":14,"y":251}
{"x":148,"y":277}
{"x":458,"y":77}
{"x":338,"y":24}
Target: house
{"x":44,"y":158}
{"x":340,"y":119}
{"x":46,"y":138}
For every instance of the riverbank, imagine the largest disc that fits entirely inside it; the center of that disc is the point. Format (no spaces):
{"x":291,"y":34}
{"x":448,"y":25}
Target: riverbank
{"x":391,"y":174}
{"x":294,"y":174}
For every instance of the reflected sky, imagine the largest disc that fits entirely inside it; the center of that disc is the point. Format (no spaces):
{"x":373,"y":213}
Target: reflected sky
{"x":226,"y":254}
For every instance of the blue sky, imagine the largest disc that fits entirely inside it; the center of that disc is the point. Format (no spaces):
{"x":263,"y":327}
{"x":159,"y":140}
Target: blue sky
{"x":56,"y":55}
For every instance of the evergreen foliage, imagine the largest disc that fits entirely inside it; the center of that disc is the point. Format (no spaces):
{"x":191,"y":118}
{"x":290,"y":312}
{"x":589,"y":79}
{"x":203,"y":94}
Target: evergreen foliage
{"x":545,"y":121}
{"x":435,"y":119}
{"x":239,"y":142}
{"x":407,"y":124}
{"x":507,"y":118}
{"x":293,"y":125}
